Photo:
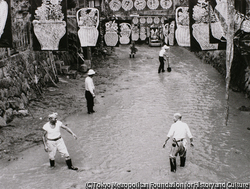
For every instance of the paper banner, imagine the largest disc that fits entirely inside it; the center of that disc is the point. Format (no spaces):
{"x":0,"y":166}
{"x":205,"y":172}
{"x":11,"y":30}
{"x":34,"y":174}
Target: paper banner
{"x":140,"y":5}
{"x":5,"y":24}
{"x":199,"y":30}
{"x":111,"y":36}
{"x":88,"y":21}
{"x":49,"y":27}
{"x":125,"y":32}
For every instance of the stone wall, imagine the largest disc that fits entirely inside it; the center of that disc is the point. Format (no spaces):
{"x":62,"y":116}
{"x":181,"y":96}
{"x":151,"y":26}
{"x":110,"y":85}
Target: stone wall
{"x":22,"y":79}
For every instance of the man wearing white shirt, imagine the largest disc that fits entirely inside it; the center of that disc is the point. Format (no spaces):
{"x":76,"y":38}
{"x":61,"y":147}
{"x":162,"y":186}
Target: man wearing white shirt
{"x":163,"y":54}
{"x":53,"y":141}
{"x":179,"y":131}
{"x":89,"y":91}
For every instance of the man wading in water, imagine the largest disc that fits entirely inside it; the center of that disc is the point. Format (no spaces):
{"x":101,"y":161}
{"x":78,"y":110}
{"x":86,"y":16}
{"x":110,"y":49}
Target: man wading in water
{"x":53,"y":141}
{"x":179,"y":130}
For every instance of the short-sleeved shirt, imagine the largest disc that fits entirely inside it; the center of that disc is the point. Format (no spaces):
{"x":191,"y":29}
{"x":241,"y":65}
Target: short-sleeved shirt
{"x":162,"y":52}
{"x":179,"y":130}
{"x":89,"y":85}
{"x":53,"y":133}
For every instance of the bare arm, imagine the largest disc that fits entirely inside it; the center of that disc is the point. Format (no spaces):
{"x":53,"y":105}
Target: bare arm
{"x":69,"y":130}
{"x":45,"y":141}
{"x":166,"y":142}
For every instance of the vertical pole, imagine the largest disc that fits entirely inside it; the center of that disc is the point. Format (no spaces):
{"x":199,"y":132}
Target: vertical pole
{"x":229,"y":51}
{"x":89,"y":55}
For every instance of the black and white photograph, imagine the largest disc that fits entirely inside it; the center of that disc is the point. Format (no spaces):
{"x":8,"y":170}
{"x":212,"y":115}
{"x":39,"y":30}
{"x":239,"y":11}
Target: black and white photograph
{"x":124,"y":94}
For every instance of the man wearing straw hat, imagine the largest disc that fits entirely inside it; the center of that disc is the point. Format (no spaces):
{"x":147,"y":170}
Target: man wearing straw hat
{"x":163,"y":54}
{"x":179,"y":131}
{"x":89,"y":91}
{"x":53,"y":141}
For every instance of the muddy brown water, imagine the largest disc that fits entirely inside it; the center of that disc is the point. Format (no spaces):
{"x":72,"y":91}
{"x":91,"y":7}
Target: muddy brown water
{"x":122,"y":141}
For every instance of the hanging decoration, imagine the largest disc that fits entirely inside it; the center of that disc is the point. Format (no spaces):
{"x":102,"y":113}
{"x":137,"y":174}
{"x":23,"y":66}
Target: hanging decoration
{"x":111,"y":36}
{"x":148,"y":27}
{"x":140,"y":4}
{"x":115,"y":5}
{"x":137,"y":6}
{"x":166,"y":33}
{"x":5,"y":24}
{"x":149,"y":20}
{"x":88,"y":21}
{"x":49,"y":24}
{"x":143,"y":32}
{"x":162,"y":20}
{"x":127,"y":5}
{"x":142,"y":20}
{"x":182,"y":33}
{"x":171,"y":35}
{"x":125,"y":33}
{"x":246,"y":26}
{"x":201,"y":16}
{"x":135,"y":20}
{"x":166,"y":4}
{"x":152,"y":4}
{"x":135,"y":32}
{"x":156,"y":20}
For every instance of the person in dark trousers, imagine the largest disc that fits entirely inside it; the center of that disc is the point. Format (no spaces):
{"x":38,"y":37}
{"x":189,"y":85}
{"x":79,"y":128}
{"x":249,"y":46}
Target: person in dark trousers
{"x":53,"y":141}
{"x":89,"y":91}
{"x":163,"y":54}
{"x":133,"y":50}
{"x":179,"y":130}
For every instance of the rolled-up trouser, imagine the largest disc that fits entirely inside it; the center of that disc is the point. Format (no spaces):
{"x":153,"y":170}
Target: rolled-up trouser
{"x":180,"y":149}
{"x":59,"y":145}
{"x":90,"y":101}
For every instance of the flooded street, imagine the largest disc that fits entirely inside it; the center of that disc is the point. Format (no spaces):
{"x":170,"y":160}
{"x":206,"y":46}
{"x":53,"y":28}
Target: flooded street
{"x":122,"y":142}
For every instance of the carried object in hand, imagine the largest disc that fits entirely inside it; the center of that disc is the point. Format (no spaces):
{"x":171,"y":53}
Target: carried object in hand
{"x":169,"y":69}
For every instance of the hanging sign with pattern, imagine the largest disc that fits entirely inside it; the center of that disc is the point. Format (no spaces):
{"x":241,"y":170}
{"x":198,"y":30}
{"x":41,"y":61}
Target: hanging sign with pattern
{"x":138,"y":5}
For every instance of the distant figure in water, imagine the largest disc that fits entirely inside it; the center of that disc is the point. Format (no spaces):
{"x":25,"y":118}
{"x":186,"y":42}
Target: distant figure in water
{"x":133,"y":50}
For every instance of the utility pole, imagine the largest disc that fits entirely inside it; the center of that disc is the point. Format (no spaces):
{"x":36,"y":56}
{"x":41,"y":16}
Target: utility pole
{"x":229,"y":50}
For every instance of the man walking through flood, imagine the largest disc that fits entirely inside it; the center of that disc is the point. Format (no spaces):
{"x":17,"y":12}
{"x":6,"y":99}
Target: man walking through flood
{"x":163,"y":54}
{"x":53,"y":141}
{"x":179,"y":131}
{"x":89,"y":91}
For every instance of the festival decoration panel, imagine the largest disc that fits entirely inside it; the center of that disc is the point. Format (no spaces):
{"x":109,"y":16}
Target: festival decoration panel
{"x":169,"y":31}
{"x":217,"y":27}
{"x":135,"y":32}
{"x":141,"y":26}
{"x":5,"y":24}
{"x":49,"y":27}
{"x":88,"y":21}
{"x":182,"y":32}
{"x":111,"y":36}
{"x":207,"y":31}
{"x":125,"y":32}
{"x":140,"y":5}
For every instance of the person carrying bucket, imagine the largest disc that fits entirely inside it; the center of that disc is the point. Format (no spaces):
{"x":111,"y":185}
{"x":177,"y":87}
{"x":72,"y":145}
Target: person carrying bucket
{"x":178,"y":131}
